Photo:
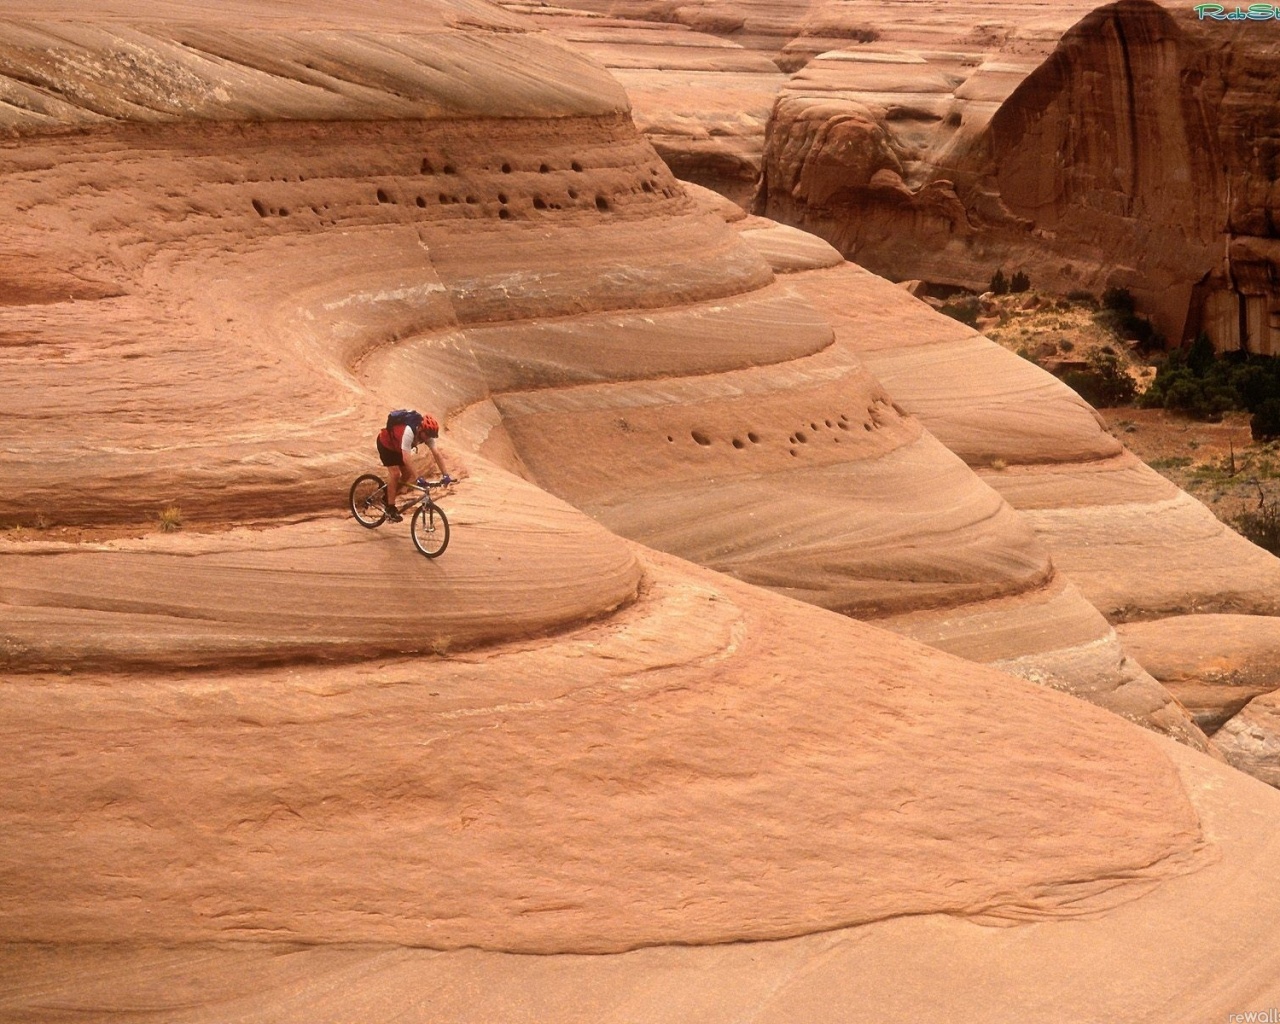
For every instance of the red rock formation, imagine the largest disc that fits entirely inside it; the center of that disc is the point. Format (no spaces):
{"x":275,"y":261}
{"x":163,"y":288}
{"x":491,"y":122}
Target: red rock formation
{"x":279,"y":727}
{"x":1158,"y":180}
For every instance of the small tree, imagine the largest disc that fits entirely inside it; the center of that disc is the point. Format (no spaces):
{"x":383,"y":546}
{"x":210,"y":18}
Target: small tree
{"x":1118,"y":299}
{"x":1262,"y":527}
{"x":1202,"y":355}
{"x":1019,"y":282}
{"x":999,"y":284}
{"x":1118,"y":314}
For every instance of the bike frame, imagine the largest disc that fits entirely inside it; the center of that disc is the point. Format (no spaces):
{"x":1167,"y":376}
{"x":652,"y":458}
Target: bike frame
{"x":423,"y":497}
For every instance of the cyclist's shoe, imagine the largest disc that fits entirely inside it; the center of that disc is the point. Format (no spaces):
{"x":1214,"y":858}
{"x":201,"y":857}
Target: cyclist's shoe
{"x":393,"y":514}
{"x":446,"y":480}
{"x":421,"y":483}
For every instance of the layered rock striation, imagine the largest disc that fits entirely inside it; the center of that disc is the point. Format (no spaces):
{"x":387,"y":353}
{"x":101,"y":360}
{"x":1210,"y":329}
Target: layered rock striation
{"x":944,"y":162}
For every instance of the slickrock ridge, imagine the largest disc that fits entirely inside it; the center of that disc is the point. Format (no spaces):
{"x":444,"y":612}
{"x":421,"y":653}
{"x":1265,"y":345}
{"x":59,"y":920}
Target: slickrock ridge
{"x":1037,"y":443}
{"x":1225,"y":670}
{"x":702,"y":101}
{"x":1045,"y":451}
{"x":993,"y":410}
{"x":668,"y":775}
{"x":60,"y":74}
{"x":1251,"y":739}
{"x":524,"y":565}
{"x":853,"y":142}
{"x":803,"y":476}
{"x":1135,"y":546}
{"x":251,"y":199}
{"x":1059,"y":972}
{"x":275,"y":727}
{"x":704,"y":77}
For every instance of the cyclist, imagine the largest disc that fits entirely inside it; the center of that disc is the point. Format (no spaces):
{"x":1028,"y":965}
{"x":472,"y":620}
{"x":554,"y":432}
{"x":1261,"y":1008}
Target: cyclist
{"x":406,"y":430}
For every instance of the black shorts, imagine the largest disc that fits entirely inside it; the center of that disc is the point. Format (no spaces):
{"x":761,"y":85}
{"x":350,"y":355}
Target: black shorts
{"x":390,"y":456}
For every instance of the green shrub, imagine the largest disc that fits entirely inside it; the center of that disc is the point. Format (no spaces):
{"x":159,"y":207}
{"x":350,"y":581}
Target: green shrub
{"x":1105,"y":383}
{"x":1253,"y":384}
{"x":1221,"y":398}
{"x":1265,"y":423}
{"x":1184,"y":392}
{"x":1118,"y":315}
{"x":999,"y":284}
{"x":964,"y":309}
{"x":1203,"y":384}
{"x":1019,"y":282}
{"x":1083,"y":297}
{"x":1118,"y":300}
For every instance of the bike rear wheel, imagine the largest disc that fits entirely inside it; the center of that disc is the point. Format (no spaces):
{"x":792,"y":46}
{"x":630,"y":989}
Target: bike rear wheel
{"x":430,"y":530}
{"x":368,"y":500}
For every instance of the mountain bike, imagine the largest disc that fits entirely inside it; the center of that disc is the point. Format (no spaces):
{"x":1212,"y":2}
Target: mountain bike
{"x":429,"y":526}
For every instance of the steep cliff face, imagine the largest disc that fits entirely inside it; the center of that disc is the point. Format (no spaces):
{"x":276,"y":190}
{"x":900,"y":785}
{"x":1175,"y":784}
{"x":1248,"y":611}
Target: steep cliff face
{"x":1107,"y":156}
{"x":1240,"y":303}
{"x":1141,"y":153}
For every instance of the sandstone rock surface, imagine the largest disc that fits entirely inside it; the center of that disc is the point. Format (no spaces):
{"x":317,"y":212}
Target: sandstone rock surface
{"x":947,"y":142}
{"x":1251,"y":740}
{"x":506,"y":790}
{"x":1213,"y":664}
{"x":274,"y":727}
{"x":1224,"y":670}
{"x":901,"y":968}
{"x":930,"y":144}
{"x":704,"y":102}
{"x":803,"y":476}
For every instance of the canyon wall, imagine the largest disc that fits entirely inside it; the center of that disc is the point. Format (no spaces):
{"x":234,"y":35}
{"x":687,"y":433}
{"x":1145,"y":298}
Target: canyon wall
{"x":1128,"y":146}
{"x":1139,"y":154}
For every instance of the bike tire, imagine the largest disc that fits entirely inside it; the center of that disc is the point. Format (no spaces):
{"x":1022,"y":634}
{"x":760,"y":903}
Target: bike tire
{"x":430,"y":530}
{"x":368,"y":500}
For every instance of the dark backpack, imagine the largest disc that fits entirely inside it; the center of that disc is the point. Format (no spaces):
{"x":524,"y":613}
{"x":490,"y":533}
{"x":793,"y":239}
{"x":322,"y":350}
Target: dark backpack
{"x":404,"y":418}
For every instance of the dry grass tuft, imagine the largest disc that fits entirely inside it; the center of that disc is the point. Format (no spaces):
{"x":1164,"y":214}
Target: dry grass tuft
{"x":171,"y":519}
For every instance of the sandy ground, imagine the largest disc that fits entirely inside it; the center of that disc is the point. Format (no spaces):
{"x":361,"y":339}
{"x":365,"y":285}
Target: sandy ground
{"x":1218,"y":463}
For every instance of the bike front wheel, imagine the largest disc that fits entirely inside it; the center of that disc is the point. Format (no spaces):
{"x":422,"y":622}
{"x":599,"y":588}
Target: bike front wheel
{"x":430,"y":530}
{"x":368,"y":500}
